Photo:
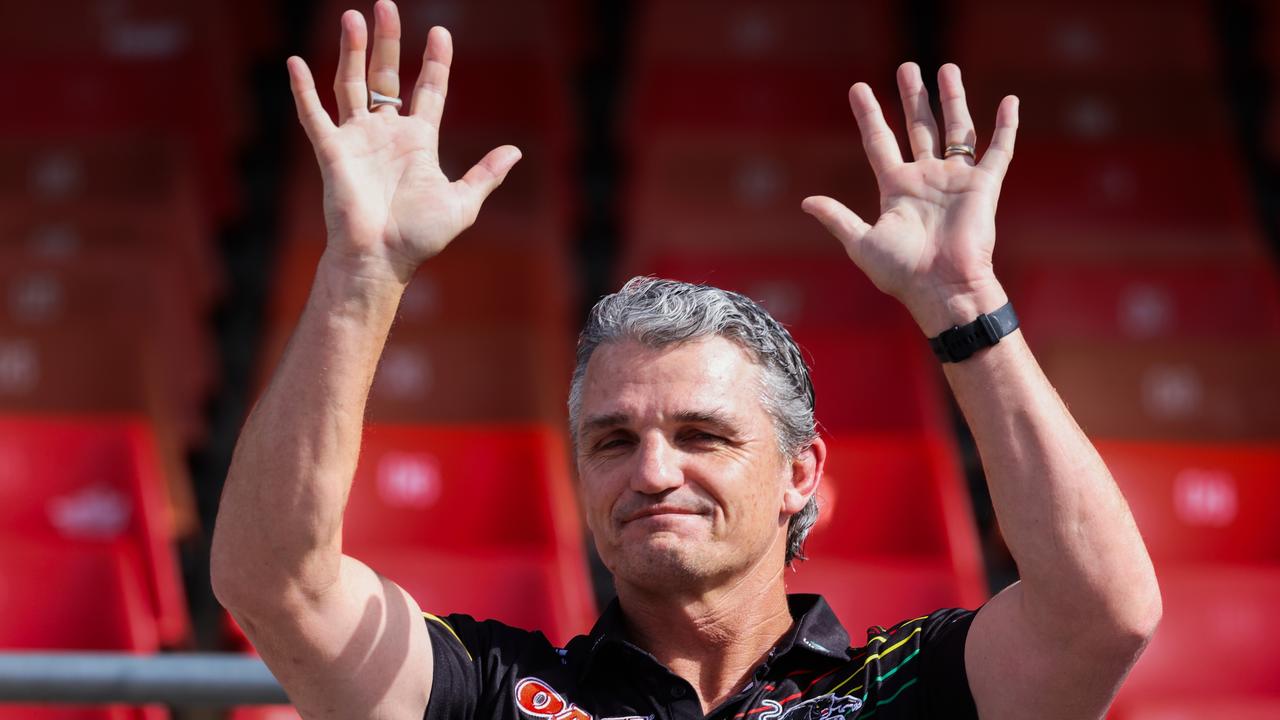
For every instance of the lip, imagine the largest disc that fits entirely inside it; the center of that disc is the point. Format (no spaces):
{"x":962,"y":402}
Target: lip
{"x":658,"y":510}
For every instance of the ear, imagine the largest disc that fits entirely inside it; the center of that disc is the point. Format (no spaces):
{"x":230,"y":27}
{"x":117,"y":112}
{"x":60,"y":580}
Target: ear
{"x":806,"y":474}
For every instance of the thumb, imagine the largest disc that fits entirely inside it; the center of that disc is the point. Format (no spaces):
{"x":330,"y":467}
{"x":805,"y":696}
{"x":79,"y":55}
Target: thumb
{"x":838,"y":219}
{"x":487,"y":175}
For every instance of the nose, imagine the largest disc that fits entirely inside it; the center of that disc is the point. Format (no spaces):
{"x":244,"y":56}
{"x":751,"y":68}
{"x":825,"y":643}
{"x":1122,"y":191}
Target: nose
{"x":657,"y":468}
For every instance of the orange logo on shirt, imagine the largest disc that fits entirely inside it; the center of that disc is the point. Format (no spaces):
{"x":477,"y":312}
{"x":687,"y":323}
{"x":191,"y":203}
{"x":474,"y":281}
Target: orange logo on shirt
{"x":538,"y":700}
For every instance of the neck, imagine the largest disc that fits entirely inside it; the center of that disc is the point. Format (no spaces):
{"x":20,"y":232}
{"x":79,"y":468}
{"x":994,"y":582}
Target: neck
{"x":713,"y":639}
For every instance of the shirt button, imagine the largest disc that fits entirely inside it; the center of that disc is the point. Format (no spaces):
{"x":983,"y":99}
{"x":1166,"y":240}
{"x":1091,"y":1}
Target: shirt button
{"x":677,"y":692}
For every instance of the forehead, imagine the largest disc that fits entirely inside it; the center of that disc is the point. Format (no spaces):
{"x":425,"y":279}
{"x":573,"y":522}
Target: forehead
{"x":711,"y":373}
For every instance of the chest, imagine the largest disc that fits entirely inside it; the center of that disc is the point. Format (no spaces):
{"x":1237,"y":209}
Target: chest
{"x":627,"y":692}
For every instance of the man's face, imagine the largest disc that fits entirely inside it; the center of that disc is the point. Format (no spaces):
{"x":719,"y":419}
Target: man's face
{"x":681,"y":475}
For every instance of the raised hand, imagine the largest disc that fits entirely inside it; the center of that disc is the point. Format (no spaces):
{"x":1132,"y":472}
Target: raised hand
{"x":388,"y":206}
{"x":932,"y":245}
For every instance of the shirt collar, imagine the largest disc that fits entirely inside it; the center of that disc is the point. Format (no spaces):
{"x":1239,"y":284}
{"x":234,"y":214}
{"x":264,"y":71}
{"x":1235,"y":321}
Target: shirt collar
{"x":815,"y":629}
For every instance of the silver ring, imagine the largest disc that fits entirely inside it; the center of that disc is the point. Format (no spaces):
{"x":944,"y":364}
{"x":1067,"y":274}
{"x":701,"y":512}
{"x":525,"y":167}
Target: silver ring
{"x":960,"y":149}
{"x":377,"y":100}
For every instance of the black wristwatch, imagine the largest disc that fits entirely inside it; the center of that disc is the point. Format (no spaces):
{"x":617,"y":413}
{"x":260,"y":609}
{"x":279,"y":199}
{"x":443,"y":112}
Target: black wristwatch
{"x":962,"y":341}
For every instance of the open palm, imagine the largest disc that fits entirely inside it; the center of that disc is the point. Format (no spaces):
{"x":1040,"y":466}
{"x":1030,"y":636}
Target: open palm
{"x":936,"y":231}
{"x":388,"y":206}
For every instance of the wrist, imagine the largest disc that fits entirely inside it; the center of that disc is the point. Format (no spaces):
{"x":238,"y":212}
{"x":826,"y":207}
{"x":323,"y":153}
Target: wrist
{"x":941,"y":309}
{"x":352,"y":287}
{"x":364,"y":271}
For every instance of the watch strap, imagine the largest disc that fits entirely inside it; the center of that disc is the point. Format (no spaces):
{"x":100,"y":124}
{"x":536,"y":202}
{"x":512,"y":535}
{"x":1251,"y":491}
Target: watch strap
{"x":962,"y":341}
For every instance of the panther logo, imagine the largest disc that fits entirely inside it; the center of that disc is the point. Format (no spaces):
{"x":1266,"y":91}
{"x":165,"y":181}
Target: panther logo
{"x":824,"y":707}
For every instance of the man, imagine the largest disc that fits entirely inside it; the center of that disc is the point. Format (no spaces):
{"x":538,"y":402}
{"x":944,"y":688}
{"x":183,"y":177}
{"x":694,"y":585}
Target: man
{"x":697,"y":458}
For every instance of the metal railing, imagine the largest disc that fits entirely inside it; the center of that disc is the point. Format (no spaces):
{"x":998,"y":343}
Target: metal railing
{"x":187,"y":679}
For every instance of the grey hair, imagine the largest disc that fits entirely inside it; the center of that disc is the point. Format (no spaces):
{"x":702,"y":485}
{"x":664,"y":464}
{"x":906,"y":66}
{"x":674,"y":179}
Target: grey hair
{"x":658,"y":313}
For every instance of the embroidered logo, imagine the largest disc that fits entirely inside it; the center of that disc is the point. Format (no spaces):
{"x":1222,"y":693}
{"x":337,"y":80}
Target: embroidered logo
{"x":825,"y":707}
{"x":537,"y":700}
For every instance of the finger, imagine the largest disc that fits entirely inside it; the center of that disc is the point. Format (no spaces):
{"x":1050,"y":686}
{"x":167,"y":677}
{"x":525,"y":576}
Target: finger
{"x":315,"y":120}
{"x":348,"y":84}
{"x":1000,"y":154}
{"x":384,"y":61}
{"x":433,"y":80}
{"x":877,"y":139}
{"x":486,"y":175}
{"x":955,"y":110}
{"x":922,"y":130}
{"x":838,"y":219}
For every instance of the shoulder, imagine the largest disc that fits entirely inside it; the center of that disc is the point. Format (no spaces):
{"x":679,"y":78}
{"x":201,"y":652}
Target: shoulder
{"x":483,"y":666}
{"x":497,"y":651}
{"x":491,"y":640}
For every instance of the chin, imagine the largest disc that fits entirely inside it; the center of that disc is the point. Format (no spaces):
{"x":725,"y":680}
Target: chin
{"x":663,"y":562}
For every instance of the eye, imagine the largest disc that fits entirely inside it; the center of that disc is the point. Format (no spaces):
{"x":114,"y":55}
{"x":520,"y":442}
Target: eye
{"x":613,"y":442}
{"x":702,"y":436}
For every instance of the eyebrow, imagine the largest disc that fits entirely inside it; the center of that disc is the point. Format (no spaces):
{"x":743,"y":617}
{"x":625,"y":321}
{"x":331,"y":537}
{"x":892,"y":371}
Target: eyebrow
{"x":715,"y":418}
{"x":604,"y":422}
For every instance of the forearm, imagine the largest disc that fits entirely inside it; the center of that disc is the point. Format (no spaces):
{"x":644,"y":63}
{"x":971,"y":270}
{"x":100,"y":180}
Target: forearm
{"x":279,"y":522}
{"x":1079,"y":553}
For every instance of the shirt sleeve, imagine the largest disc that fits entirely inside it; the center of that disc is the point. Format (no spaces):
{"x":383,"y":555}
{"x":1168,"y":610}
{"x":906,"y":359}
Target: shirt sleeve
{"x":471,"y":662}
{"x":942,"y":671}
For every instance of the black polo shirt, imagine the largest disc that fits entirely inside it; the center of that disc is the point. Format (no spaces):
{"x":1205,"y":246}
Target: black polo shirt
{"x":490,"y":671}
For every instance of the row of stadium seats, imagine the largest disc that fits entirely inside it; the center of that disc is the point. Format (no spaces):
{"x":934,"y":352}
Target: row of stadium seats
{"x":112,"y":186}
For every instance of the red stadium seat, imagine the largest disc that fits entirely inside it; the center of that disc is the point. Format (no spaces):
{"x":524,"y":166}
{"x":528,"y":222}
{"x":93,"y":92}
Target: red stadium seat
{"x":806,"y":32}
{"x":734,"y":191}
{"x":60,"y":193}
{"x":712,"y":66}
{"x":868,"y":382}
{"x":485,"y":373}
{"x":84,"y":369}
{"x":1137,"y":301}
{"x":1118,"y":200}
{"x":43,"y":608}
{"x":76,"y":236}
{"x":1201,"y":502}
{"x":1095,"y":39}
{"x":1172,"y":390}
{"x":469,"y":284}
{"x":716,"y":99}
{"x":42,"y":601}
{"x":1219,"y":641}
{"x":68,"y":370}
{"x":1109,"y":109}
{"x":108,"y":293}
{"x":431,"y":506}
{"x":896,"y":531}
{"x":102,"y":69}
{"x":94,"y":483}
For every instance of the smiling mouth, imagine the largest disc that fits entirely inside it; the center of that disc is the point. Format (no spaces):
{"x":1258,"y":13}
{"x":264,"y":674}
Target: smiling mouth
{"x":656,"y":512}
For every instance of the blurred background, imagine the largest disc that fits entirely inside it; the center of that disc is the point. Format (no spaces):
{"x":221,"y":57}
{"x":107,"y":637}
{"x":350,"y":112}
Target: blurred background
{"x":160,"y":222}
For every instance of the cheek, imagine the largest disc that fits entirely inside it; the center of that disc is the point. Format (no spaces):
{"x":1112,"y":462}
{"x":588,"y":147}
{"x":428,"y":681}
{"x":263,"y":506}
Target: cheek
{"x":596,"y":496}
